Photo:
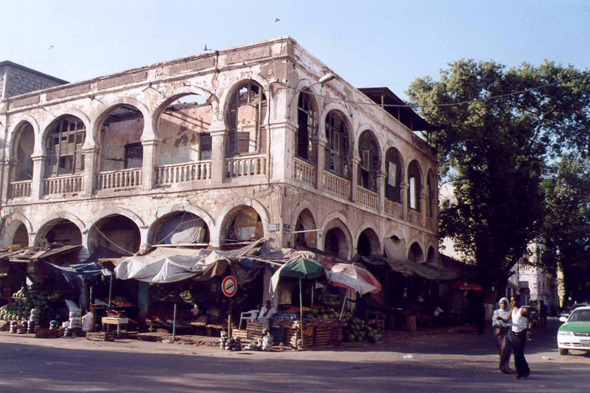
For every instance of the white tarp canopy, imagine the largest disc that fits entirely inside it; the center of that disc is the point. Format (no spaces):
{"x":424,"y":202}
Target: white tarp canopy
{"x":165,"y":265}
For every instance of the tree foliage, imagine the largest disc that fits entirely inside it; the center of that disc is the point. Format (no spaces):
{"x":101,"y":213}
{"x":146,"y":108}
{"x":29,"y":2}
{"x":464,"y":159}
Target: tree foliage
{"x":566,"y":226}
{"x":495,"y":129}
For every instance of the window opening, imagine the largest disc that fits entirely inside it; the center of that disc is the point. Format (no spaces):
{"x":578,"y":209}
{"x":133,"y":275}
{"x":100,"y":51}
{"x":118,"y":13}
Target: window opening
{"x":414,"y":186}
{"x":133,"y":155}
{"x":337,"y":135}
{"x":64,"y":147}
{"x":370,"y":163}
{"x":394,"y":176}
{"x":247,"y":111}
{"x":306,"y":126}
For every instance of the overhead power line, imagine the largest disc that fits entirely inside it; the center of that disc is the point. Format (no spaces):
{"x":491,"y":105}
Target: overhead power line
{"x":466,"y":102}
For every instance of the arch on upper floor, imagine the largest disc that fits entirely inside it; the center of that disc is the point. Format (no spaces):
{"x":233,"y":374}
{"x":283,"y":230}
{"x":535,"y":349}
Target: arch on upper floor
{"x":19,"y":121}
{"x":225,"y":98}
{"x":20,"y":151}
{"x":246,"y":113}
{"x":370,"y":158}
{"x":49,"y":126}
{"x":175,"y":92}
{"x":327,"y":108}
{"x":310,"y":87}
{"x":110,"y":104}
{"x":63,"y":145}
{"x":340,"y":144}
{"x":431,"y":193}
{"x":394,"y":171}
{"x":415,"y":179}
{"x":307,"y":118}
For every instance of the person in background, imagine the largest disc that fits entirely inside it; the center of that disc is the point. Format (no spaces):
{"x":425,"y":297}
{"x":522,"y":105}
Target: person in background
{"x":266,"y":314}
{"x":521,"y":323}
{"x":502,"y":335}
{"x":543,"y":311}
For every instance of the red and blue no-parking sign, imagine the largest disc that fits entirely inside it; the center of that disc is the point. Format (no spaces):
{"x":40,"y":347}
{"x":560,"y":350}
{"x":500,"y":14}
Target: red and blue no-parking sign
{"x":229,"y":286}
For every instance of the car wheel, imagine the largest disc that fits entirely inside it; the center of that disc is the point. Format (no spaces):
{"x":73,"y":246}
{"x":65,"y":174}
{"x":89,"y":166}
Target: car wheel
{"x":563,"y":352}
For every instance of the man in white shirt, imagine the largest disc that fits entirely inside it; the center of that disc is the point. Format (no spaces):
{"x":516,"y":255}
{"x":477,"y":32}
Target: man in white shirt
{"x":520,"y":317}
{"x":266,"y":314}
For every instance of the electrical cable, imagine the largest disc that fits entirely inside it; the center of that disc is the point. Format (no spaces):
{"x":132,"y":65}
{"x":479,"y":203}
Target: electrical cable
{"x":443,"y":105}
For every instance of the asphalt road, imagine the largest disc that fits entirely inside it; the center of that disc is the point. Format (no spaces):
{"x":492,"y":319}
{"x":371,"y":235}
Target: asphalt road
{"x":459,"y":361}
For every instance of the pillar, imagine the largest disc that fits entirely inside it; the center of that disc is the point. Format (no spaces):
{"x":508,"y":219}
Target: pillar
{"x":381,"y":177}
{"x":91,"y":169}
{"x":355,"y":179}
{"x":39,"y":162}
{"x":150,"y":154}
{"x":218,"y":160}
{"x":404,"y":199}
{"x":423,"y":202}
{"x":321,"y":146}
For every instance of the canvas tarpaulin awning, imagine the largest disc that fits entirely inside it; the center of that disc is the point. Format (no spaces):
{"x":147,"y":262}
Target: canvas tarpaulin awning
{"x":166,"y":265}
{"x":410,"y":268}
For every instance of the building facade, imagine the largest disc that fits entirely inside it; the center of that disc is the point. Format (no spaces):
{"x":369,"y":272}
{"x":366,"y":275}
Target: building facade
{"x":256,"y":141}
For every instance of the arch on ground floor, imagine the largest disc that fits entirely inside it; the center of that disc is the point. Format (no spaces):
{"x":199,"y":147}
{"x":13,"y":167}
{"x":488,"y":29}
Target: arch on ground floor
{"x":245,"y":222}
{"x":416,"y":253}
{"x":113,"y":235}
{"x":59,"y":229}
{"x":335,"y":237}
{"x":368,"y":243}
{"x":179,"y":227}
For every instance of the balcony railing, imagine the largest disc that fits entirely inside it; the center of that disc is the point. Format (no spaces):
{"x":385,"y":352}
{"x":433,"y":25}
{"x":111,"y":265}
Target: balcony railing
{"x":126,"y":178}
{"x":246,"y":166}
{"x":336,"y":185}
{"x":393,"y":208}
{"x":305,"y":172}
{"x":368,"y":198}
{"x":63,"y":185}
{"x":20,"y":189}
{"x":181,"y":173}
{"x":414,"y":216}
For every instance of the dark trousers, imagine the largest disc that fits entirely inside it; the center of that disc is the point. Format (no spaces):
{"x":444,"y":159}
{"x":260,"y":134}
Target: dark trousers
{"x":520,"y":363}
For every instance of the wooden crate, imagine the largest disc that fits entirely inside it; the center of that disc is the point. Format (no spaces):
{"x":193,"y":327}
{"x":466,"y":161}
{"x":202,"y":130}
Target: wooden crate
{"x":100,"y":336}
{"x":47,"y":333}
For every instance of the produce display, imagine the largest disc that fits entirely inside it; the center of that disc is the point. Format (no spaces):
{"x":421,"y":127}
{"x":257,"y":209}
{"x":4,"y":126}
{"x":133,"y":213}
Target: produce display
{"x":28,"y":299}
{"x":356,"y":329}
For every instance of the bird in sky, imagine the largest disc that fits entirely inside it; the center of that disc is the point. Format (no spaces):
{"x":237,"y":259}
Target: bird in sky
{"x":51,"y":47}
{"x":277,"y":20}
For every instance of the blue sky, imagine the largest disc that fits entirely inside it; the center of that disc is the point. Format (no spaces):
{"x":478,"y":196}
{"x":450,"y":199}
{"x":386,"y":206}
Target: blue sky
{"x":369,"y":43}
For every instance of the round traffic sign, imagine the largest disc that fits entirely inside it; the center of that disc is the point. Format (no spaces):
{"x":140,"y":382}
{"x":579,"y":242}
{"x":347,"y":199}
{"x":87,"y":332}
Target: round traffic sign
{"x":229,"y":286}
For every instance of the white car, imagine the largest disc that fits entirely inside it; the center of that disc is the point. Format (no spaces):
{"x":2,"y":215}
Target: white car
{"x":575,"y":332}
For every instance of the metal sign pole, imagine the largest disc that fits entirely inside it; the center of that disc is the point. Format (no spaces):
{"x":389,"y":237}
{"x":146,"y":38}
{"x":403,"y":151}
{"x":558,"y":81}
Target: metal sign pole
{"x":174,"y":324}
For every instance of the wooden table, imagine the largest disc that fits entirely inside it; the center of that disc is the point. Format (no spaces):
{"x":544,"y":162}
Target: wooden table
{"x":108,"y":321}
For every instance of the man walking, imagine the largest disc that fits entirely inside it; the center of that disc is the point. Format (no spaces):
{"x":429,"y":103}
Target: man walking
{"x":521,"y":324}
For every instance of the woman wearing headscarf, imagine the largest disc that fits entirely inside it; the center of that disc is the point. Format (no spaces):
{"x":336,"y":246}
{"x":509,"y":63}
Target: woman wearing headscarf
{"x":502,"y":335}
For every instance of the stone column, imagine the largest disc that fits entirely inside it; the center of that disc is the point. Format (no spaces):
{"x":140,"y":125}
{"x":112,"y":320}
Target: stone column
{"x":39,"y":162}
{"x":218,"y":160}
{"x":423,"y":202}
{"x":150,"y":154}
{"x":91,"y":170}
{"x":381,"y":176}
{"x":355,"y":178}
{"x":404,"y":199}
{"x":321,"y":146}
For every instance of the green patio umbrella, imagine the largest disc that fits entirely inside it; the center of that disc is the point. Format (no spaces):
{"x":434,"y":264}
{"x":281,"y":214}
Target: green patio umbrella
{"x":299,"y":268}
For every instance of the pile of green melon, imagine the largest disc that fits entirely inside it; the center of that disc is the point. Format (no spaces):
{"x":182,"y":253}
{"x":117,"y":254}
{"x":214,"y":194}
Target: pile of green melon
{"x":26,"y":300}
{"x":356,"y":329}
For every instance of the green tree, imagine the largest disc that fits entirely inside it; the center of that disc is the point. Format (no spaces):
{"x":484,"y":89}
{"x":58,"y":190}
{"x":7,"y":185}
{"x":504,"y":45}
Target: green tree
{"x":566,"y":226}
{"x":495,"y":127}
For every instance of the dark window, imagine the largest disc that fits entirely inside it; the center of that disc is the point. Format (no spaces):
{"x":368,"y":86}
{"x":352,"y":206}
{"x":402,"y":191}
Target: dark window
{"x":133,"y":155}
{"x":414,"y":186}
{"x":370,"y":164}
{"x":306,"y":128}
{"x":64,"y":147}
{"x":394,"y":175}
{"x":206,"y":146}
{"x":337,"y":150}
{"x":247,"y":110}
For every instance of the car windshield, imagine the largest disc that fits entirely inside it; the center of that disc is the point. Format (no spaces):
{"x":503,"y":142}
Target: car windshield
{"x":580,"y":316}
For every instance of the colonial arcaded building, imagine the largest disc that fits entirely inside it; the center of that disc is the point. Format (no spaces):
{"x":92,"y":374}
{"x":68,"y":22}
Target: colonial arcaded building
{"x":218,"y":149}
